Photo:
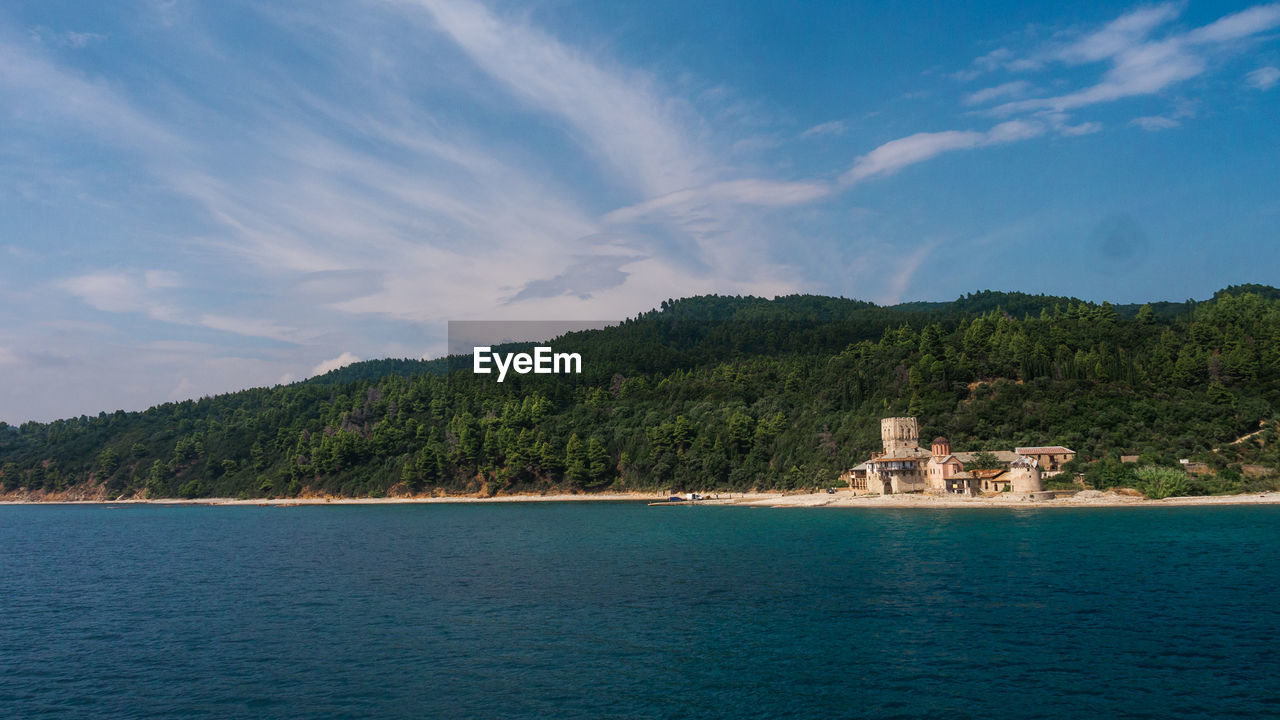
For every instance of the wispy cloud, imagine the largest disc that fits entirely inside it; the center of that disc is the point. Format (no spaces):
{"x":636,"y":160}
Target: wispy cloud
{"x":1237,"y":26}
{"x":1154,"y":122}
{"x":619,"y":115}
{"x":81,"y":39}
{"x":832,"y":127}
{"x":146,"y":293}
{"x":984,"y":64}
{"x":65,"y":39}
{"x":897,"y":154}
{"x":1264,"y":78}
{"x":250,"y":327}
{"x":1013,"y":88}
{"x":51,"y":94}
{"x":1141,"y":64}
{"x":750,"y":191}
{"x":1118,"y":36}
{"x":1184,"y":109}
{"x":117,"y":293}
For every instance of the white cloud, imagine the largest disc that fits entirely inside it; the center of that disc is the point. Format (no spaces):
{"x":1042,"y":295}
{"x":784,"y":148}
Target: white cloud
{"x":1183,"y":109}
{"x":21,"y":253}
{"x":1012,"y":131}
{"x":1142,"y":70}
{"x":987,"y":63}
{"x":80,"y":39}
{"x":1139,"y":63}
{"x":1015,"y":88}
{"x":993,"y":59}
{"x":121,"y":292}
{"x":1086,"y":128}
{"x":619,"y":115}
{"x":833,"y":127}
{"x":332,"y":364}
{"x":1110,"y":40}
{"x":1154,"y":122}
{"x":1119,"y":35}
{"x":49,"y":94}
{"x":7,"y":357}
{"x":897,"y":154}
{"x":1237,"y":26}
{"x":110,"y":292}
{"x":754,"y":192}
{"x":1264,"y":78}
{"x":250,"y":327}
{"x":117,"y":293}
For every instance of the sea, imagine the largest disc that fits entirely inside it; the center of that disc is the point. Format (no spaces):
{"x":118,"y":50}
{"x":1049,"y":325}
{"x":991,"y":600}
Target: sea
{"x":620,"y":610}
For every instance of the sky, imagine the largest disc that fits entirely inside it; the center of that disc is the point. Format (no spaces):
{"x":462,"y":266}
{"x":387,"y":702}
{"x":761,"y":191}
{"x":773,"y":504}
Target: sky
{"x":197,"y":197}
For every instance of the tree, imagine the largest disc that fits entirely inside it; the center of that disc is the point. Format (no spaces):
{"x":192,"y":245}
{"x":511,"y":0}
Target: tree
{"x":983,"y":461}
{"x":597,"y":461}
{"x":108,"y":462}
{"x":1146,"y":315}
{"x":1109,"y":473}
{"x":741,"y":430}
{"x":682,"y":433}
{"x":257,"y":459}
{"x":575,"y":460}
{"x":158,"y":479}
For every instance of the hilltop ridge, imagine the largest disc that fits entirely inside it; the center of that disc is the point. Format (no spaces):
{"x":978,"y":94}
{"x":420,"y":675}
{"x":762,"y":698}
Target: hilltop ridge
{"x":716,"y":392}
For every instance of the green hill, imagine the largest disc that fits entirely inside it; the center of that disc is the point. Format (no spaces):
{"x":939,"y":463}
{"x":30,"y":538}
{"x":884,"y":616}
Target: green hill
{"x":718,"y":392}
{"x":379,"y":369}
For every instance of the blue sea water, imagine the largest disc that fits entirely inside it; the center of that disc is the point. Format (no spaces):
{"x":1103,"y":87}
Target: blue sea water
{"x":618,"y":610}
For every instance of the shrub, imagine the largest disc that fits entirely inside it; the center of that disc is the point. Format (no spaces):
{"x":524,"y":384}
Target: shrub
{"x":1158,"y":483}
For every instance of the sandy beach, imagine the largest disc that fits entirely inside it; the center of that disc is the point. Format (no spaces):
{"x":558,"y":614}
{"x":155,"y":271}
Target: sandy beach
{"x":324,"y":500}
{"x":1086,"y":498}
{"x":841,"y":499}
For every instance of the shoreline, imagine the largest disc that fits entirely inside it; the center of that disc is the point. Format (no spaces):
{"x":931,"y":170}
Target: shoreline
{"x":1086,"y":499}
{"x":329,"y":500}
{"x":840,"y":499}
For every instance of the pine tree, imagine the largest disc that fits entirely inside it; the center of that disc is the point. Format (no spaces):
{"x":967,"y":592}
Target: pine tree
{"x":575,"y":460}
{"x":597,"y":461}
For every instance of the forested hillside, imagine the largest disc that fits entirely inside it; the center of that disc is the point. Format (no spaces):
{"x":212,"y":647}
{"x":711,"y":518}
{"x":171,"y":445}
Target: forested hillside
{"x":717,"y":392}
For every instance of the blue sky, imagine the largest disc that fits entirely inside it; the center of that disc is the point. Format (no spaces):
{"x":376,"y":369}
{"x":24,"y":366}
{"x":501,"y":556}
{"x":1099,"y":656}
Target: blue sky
{"x":197,"y":197}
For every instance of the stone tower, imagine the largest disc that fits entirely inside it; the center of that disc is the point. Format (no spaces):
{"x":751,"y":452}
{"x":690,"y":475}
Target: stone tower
{"x":1024,"y":476}
{"x":899,"y":435}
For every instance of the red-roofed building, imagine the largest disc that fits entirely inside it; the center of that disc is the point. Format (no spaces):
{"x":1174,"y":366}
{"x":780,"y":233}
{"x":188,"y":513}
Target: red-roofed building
{"x":1050,"y":458}
{"x":903,"y":466}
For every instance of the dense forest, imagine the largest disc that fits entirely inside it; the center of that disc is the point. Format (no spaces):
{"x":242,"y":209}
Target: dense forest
{"x":720,"y":393}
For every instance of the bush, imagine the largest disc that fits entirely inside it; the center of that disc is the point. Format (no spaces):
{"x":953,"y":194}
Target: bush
{"x":1109,"y":473}
{"x":1158,"y":483}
